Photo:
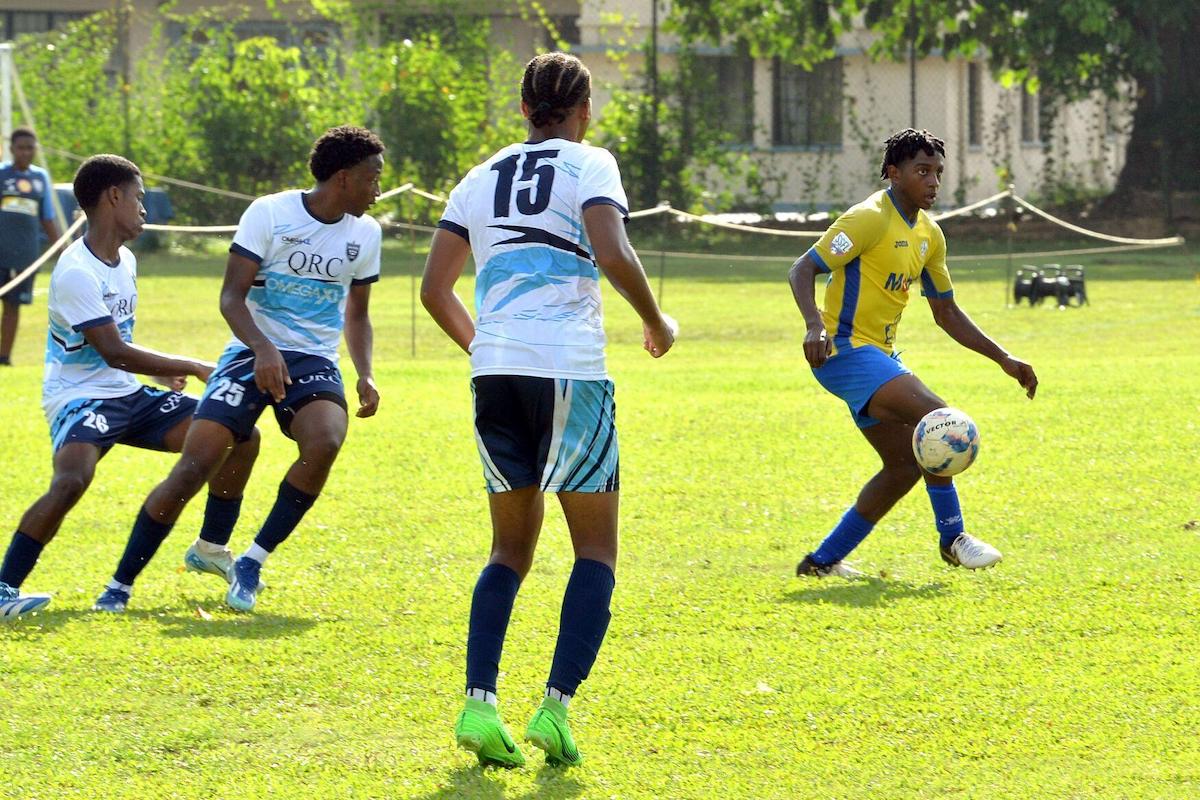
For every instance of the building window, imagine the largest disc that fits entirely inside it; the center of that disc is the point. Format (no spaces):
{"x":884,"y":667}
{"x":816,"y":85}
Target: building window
{"x":974,"y":104}
{"x":567,"y":28}
{"x":807,"y":105}
{"x":1030,"y":126}
{"x":735,"y":93}
{"x":14,"y":23}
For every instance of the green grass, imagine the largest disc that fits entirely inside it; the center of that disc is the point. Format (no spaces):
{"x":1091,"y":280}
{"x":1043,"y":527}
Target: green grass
{"x":1068,"y":672}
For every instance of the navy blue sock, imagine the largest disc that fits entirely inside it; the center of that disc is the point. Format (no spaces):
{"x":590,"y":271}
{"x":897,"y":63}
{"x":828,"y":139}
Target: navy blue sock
{"x":946,"y":512}
{"x":582,"y":625}
{"x":22,"y":554}
{"x":491,"y":606}
{"x":291,"y":505}
{"x":845,"y":536}
{"x":220,"y":515}
{"x":144,"y":539}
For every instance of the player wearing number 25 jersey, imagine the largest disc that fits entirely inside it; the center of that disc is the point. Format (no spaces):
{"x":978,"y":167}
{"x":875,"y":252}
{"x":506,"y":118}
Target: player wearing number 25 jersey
{"x":542,"y":219}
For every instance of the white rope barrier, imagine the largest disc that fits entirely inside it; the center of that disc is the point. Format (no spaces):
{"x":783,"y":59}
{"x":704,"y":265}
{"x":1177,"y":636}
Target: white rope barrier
{"x":1169,"y":240}
{"x":734,"y":226}
{"x":661,"y":208}
{"x":150,"y":175}
{"x":973,"y":207}
{"x":408,"y":187}
{"x":62,"y":242}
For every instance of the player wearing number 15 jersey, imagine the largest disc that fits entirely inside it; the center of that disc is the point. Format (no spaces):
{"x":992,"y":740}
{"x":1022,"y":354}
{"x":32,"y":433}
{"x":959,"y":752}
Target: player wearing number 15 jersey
{"x":90,"y":395}
{"x":542,"y":219}
{"x":300,"y":271}
{"x":873,"y":253}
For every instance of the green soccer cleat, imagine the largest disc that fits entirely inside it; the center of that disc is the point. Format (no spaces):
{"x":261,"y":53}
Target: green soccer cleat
{"x":480,"y":730}
{"x":548,"y":731}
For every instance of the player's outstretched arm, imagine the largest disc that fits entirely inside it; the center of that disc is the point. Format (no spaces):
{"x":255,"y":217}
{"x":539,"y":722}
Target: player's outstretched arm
{"x":270,"y":371}
{"x":803,"y":279}
{"x":447,"y":256}
{"x":117,"y":353}
{"x":962,"y":329}
{"x":360,"y":341}
{"x":616,"y":257}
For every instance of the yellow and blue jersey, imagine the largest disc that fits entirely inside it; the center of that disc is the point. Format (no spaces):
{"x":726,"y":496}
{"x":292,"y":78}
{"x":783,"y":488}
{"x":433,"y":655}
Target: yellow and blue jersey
{"x":873,"y":254}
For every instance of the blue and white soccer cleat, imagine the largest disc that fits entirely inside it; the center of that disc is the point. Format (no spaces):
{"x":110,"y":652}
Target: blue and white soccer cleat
{"x":243,"y":589}
{"x":213,"y":563}
{"x":113,"y":601}
{"x":13,"y":604}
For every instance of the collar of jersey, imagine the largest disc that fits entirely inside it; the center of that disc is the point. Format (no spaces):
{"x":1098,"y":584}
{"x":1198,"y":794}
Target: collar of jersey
{"x":892,"y":197}
{"x":304,"y":202}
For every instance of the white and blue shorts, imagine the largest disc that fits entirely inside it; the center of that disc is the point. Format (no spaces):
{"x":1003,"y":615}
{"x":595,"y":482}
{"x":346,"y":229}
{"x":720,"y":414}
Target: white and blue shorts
{"x":554,"y":433}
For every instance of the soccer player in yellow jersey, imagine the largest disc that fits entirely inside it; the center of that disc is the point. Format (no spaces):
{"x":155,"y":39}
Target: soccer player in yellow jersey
{"x":873,"y":254}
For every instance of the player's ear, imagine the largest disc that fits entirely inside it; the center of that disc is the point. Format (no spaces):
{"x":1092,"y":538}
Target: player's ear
{"x":893,"y":172}
{"x":525,"y":109}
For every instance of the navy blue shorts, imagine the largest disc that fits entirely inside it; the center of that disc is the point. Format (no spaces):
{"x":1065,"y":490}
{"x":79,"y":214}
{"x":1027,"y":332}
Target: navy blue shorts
{"x":232,"y":399}
{"x":855,"y":375}
{"x":140,"y":419}
{"x":554,"y":433}
{"x":22,"y":293}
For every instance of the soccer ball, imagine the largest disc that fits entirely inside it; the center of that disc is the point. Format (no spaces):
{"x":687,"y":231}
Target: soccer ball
{"x":945,"y":442}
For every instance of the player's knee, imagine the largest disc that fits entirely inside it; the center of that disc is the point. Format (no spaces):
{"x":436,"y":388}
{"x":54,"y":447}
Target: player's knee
{"x":188,"y":476}
{"x":321,"y":449}
{"x":519,"y":559}
{"x":68,"y":487}
{"x":904,"y":473}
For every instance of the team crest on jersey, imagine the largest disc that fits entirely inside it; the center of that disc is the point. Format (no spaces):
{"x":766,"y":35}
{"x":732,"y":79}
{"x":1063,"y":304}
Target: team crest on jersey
{"x":352,"y":249}
{"x":841,"y":244}
{"x":924,"y":247}
{"x":24,"y":186}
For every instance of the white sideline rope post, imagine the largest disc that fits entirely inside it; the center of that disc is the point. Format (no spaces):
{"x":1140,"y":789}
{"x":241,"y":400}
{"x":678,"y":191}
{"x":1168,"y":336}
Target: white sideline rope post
{"x":662,"y":259}
{"x":13,"y":83}
{"x":1010,"y":228}
{"x":412,"y":249}
{"x":62,"y":242}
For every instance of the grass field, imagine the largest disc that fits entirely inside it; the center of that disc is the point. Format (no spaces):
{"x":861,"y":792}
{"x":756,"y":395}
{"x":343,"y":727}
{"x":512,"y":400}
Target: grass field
{"x":1070,"y":671}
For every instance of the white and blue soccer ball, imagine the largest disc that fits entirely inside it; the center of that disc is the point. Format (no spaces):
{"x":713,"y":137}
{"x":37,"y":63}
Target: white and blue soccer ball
{"x":945,"y":442}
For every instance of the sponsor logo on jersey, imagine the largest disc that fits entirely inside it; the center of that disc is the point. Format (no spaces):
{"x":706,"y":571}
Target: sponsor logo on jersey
{"x":295,"y":240}
{"x":897,"y":282}
{"x":841,"y":244}
{"x":902,"y":243}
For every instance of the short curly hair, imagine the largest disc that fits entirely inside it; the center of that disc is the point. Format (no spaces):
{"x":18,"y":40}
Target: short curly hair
{"x":905,"y":144}
{"x":100,"y":173}
{"x":341,"y":148}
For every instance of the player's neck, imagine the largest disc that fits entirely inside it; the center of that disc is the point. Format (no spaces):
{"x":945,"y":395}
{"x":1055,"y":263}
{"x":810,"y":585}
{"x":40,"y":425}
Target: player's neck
{"x":568,"y":129}
{"x":22,"y":167}
{"x":323,"y":205}
{"x":907,"y":208}
{"x":104,"y":242}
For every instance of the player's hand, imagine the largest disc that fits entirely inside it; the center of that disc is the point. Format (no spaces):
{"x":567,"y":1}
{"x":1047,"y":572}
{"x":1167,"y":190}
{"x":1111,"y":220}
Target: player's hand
{"x":270,"y":371}
{"x":658,"y":338}
{"x":1023,"y":374}
{"x":368,"y":398}
{"x":817,"y":346}
{"x":202,"y":370}
{"x":175,"y":383}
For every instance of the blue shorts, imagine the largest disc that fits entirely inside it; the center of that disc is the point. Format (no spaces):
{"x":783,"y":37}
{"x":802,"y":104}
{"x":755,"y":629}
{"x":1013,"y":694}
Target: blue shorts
{"x":553,"y":433}
{"x":232,"y":399}
{"x":22,"y":293}
{"x":140,"y":419}
{"x":855,"y":374}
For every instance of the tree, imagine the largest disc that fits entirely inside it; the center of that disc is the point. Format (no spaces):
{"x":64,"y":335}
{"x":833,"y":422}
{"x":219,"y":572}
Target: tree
{"x":1067,"y":48}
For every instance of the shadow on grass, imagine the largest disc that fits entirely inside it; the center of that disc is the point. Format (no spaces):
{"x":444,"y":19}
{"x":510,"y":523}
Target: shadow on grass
{"x":872,"y":592}
{"x":476,"y":782}
{"x":176,"y":623}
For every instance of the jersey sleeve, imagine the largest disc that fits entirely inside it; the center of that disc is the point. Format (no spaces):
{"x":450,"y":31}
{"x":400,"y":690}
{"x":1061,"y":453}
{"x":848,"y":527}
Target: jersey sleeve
{"x":47,"y":196}
{"x":600,"y":182}
{"x":848,"y":237}
{"x":79,"y":299}
{"x":253,"y":237}
{"x":367,"y":268}
{"x":454,"y":218}
{"x":935,"y":275}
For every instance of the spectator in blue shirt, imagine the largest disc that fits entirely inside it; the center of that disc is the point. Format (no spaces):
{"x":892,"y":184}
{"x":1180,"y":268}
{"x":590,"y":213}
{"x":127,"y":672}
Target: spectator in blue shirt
{"x":26,"y":212}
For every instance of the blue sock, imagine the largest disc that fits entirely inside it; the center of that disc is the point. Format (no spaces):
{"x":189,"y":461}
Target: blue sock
{"x":582,"y":624}
{"x":22,"y":554}
{"x":220,"y":515}
{"x":845,"y":536}
{"x":291,"y":504}
{"x":144,"y":539}
{"x":491,"y":606}
{"x":946,"y":512}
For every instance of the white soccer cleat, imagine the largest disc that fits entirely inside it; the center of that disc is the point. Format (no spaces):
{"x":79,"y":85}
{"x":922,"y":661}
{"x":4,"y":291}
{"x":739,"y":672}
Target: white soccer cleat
{"x":14,"y":604}
{"x":838,"y":569}
{"x":967,"y":551}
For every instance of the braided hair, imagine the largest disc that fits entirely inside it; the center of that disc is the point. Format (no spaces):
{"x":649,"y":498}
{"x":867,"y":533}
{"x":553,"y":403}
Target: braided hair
{"x":905,"y":144}
{"x":553,"y":84}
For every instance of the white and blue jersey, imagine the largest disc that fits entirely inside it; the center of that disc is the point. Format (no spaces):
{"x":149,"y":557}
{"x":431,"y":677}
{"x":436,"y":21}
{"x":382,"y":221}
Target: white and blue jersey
{"x":537,"y":289}
{"x":86,"y":292}
{"x":306,"y":266}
